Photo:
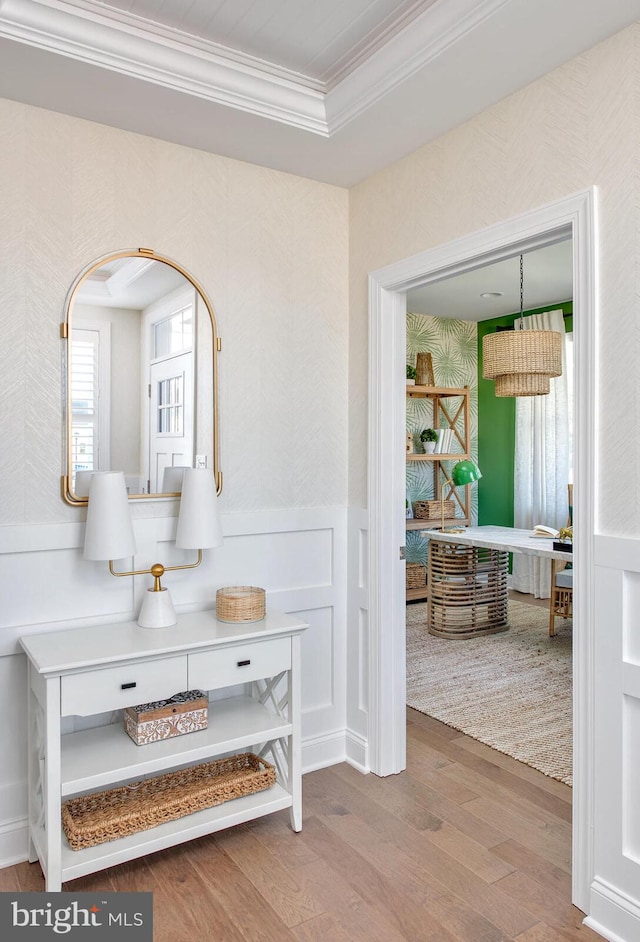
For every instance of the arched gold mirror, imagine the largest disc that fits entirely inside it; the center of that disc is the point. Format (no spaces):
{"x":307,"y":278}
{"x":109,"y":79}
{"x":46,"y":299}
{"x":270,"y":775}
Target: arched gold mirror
{"x":140,"y":375}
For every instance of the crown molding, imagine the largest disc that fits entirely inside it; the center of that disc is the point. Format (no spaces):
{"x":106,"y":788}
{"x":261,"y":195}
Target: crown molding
{"x":134,"y":47}
{"x":127,"y":21}
{"x":422,"y":41}
{"x":121,"y":42}
{"x":404,"y":16}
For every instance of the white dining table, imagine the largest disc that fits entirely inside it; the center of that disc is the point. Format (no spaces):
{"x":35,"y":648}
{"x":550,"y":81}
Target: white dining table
{"x":509,"y":539}
{"x":467,"y":590}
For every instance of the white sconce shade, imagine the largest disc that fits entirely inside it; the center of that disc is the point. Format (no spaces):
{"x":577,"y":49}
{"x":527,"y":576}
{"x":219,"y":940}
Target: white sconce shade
{"x":109,"y":531}
{"x":83,"y":480}
{"x":172,"y":479}
{"x":199,"y":519}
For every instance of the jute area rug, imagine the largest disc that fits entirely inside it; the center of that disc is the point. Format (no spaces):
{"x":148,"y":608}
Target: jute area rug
{"x":511,"y":690}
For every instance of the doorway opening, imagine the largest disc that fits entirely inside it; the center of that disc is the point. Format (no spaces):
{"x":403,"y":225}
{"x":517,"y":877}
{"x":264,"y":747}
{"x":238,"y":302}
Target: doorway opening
{"x":573,"y":217}
{"x":485,"y":666}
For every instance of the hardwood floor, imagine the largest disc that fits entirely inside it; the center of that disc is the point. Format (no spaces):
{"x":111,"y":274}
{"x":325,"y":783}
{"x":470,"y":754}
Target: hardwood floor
{"x":467,"y":845}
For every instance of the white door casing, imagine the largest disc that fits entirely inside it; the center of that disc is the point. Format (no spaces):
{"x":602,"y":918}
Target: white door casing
{"x":575,"y":217}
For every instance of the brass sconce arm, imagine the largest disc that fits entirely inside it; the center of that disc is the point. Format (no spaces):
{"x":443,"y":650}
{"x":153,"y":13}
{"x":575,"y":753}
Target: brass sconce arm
{"x":157,"y":571}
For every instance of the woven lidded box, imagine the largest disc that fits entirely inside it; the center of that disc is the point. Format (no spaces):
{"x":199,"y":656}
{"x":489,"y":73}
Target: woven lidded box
{"x":432,"y":509}
{"x":185,"y":712}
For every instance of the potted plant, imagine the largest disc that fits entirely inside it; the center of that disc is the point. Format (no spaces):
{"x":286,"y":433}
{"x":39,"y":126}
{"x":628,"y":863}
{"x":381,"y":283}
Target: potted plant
{"x":411,"y":375}
{"x":429,"y":437}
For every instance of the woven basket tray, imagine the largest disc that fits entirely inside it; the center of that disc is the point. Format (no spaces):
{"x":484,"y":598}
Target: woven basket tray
{"x":106,"y":816}
{"x":432,"y":509}
{"x":242,"y":603}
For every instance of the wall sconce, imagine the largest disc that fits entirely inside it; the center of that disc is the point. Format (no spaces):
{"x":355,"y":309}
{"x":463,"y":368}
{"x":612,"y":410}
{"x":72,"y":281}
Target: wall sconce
{"x":109,"y":533}
{"x":464,"y":472}
{"x":82,"y":481}
{"x":172,"y":479}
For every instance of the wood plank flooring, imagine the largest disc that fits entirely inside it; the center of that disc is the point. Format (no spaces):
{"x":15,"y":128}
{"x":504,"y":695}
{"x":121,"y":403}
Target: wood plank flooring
{"x":467,"y":845}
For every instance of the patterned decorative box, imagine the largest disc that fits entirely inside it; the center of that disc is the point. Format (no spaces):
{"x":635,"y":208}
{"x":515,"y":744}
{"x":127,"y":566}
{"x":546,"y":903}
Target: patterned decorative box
{"x":183,"y":713}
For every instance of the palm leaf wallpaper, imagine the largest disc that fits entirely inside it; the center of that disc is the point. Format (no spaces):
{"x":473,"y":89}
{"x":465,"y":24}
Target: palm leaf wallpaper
{"x":453,"y":345}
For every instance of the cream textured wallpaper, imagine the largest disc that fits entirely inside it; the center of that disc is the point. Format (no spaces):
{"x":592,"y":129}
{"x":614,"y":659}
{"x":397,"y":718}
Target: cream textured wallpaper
{"x":271,"y":250}
{"x":575,"y":127}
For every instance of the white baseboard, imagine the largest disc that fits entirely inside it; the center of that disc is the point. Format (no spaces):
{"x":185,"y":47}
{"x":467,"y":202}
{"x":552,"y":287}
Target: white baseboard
{"x":321,"y":751}
{"x":614,"y":915}
{"x":357,"y":752}
{"x":14,"y":842}
{"x":605,"y":933}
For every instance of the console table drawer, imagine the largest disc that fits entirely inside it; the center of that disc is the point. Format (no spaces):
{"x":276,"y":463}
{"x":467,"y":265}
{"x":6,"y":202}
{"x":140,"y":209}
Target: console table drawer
{"x":114,"y":688}
{"x":243,"y":662}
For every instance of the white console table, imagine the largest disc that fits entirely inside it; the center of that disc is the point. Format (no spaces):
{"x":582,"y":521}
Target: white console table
{"x":89,"y":671}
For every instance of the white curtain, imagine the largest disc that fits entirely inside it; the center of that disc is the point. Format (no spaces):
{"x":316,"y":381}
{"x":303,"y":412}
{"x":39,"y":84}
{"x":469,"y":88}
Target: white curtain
{"x":542,"y":464}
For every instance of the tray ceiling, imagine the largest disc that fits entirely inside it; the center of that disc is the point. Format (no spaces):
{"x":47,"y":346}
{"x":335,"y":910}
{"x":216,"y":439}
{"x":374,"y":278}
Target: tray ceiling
{"x":333,"y":90}
{"x":322,"y":41}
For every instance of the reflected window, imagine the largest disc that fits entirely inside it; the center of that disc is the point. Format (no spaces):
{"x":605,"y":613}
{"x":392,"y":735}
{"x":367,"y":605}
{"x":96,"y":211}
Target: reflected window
{"x":90,"y":358}
{"x":173,"y":334}
{"x":171,"y":405}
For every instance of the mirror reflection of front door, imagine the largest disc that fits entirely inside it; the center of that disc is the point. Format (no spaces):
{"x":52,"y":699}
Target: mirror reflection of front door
{"x":171,"y":412}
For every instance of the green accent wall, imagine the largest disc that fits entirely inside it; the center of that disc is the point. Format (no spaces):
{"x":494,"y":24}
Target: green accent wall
{"x":496,"y":431}
{"x":496,"y":442}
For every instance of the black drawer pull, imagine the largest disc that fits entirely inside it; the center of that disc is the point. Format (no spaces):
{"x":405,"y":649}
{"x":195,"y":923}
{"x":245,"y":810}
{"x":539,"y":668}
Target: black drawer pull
{"x":243,"y":663}
{"x":128,"y":686}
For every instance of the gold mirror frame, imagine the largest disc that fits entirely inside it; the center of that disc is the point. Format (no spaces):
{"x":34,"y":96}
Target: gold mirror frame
{"x":65,"y":332}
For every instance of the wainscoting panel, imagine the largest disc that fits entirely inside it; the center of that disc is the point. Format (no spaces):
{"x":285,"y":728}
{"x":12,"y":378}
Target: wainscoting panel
{"x":615,"y":893}
{"x":54,"y":586}
{"x":318,"y":654}
{"x":298,"y":556}
{"x":631,"y":785}
{"x":358,"y":642}
{"x":309,"y":555}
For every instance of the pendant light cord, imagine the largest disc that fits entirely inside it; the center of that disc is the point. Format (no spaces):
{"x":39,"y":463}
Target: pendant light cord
{"x":521,"y":294}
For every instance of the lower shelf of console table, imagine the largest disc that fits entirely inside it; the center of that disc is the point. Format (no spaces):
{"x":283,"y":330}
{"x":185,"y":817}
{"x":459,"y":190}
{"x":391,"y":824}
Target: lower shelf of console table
{"x":264,"y":719}
{"x":78,"y":863}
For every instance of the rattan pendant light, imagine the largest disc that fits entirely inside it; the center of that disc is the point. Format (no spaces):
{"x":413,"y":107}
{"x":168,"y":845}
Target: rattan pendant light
{"x":522,"y":361}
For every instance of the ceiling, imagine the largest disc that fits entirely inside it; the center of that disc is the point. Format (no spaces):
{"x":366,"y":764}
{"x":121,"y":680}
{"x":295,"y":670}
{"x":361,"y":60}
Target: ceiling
{"x":547,"y":279}
{"x":332,"y":90}
{"x":320,"y":41}
{"x":131,"y":282}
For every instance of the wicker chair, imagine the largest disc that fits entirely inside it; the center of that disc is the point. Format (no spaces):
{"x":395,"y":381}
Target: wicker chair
{"x":561,"y":603}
